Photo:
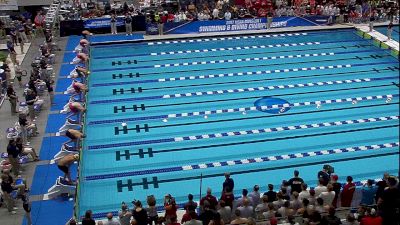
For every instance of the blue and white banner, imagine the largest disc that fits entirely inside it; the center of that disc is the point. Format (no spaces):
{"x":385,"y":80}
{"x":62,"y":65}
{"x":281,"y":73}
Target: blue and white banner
{"x":241,"y":24}
{"x":101,"y":22}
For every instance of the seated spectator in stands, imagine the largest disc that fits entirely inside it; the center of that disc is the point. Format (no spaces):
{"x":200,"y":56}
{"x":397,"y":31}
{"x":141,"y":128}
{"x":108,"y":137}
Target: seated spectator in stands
{"x":312,"y":197}
{"x":110,"y":220}
{"x":246,"y":210}
{"x":331,"y":218}
{"x":255,"y":195}
{"x":328,"y":195}
{"x":304,"y":192}
{"x":271,"y":193}
{"x":192,"y":8}
{"x":227,"y":15}
{"x":373,"y":219}
{"x":228,"y":197}
{"x":217,"y":220}
{"x":244,"y":197}
{"x":296,"y":203}
{"x":368,"y":193}
{"x":286,"y":189}
{"x":207,"y":214}
{"x":238,"y":219}
{"x":351,"y":220}
{"x":193,"y":220}
{"x":211,"y":199}
{"x":263,"y":206}
{"x":270,"y":213}
{"x":280,"y":201}
{"x":215,"y":13}
{"x":319,"y":206}
{"x":304,"y":206}
{"x":285,"y":210}
{"x":346,"y":196}
{"x":320,"y":188}
{"x":224,"y":211}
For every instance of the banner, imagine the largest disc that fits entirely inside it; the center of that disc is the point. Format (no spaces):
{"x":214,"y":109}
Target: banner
{"x":101,"y":22}
{"x":152,"y":29}
{"x":8,"y":5}
{"x":241,"y":24}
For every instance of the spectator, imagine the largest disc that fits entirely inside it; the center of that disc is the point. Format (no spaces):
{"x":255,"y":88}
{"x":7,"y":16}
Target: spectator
{"x":246,"y":210}
{"x":320,"y":188}
{"x":304,"y":194}
{"x":285,"y":190}
{"x":215,"y":13}
{"x":211,"y":199}
{"x":303,"y":209}
{"x":347,"y":193}
{"x":350,"y":220}
{"x":331,"y":218}
{"x":228,"y":197}
{"x":174,"y":221}
{"x":88,"y":220}
{"x":312,"y":197}
{"x":336,"y":188}
{"x":262,"y":207}
{"x":193,"y":220}
{"x":328,"y":195}
{"x":323,"y":175}
{"x":319,"y":207}
{"x":271,"y":193}
{"x":13,"y":152}
{"x":152,"y":210}
{"x":255,"y":195}
{"x":280,"y":201}
{"x":207,"y":215}
{"x":217,"y":220}
{"x":270,"y":213}
{"x":368,"y":193}
{"x":225,"y":212}
{"x":111,"y":220}
{"x":389,"y":202}
{"x":295,"y":182}
{"x":285,"y":210}
{"x":296,"y":203}
{"x":372,"y":219}
{"x":190,"y":205}
{"x":124,"y":215}
{"x":238,"y":219}
{"x":170,"y":208}
{"x":244,"y":197}
{"x":381,"y":186}
{"x":227,"y":15}
{"x":30,"y":99}
{"x":13,"y":98}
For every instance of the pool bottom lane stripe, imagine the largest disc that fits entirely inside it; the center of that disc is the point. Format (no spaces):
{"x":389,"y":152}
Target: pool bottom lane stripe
{"x":245,"y":161}
{"x":245,"y":109}
{"x":242,"y":133}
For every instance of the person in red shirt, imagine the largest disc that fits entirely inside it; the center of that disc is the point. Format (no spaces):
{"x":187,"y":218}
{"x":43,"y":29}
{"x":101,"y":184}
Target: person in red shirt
{"x":170,"y":208}
{"x":228,"y":197}
{"x":210,"y":198}
{"x":347,"y":192}
{"x":371,"y":218}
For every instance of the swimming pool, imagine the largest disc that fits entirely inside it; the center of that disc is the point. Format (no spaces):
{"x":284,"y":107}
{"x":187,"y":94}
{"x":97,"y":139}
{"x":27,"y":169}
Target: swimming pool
{"x":395,"y":32}
{"x":173,"y":116}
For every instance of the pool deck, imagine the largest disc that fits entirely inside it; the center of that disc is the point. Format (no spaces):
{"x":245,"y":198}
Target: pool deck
{"x":379,"y":36}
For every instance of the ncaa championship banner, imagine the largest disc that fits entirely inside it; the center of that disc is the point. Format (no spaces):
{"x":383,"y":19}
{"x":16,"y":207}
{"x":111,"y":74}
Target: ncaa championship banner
{"x":8,"y":5}
{"x":241,"y":24}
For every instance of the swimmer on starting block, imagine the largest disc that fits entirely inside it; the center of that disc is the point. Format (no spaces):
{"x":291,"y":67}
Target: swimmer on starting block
{"x":64,"y":164}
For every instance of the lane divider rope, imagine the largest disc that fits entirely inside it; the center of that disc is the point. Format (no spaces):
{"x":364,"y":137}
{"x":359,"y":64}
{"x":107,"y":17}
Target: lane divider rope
{"x":245,"y":161}
{"x":225,"y":38}
{"x":241,"y":133}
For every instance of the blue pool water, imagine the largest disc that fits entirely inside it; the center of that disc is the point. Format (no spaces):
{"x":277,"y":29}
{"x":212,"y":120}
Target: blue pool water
{"x":165,"y":117}
{"x":395,"y":32}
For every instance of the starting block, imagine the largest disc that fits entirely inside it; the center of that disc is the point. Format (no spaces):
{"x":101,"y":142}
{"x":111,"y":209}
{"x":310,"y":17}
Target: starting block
{"x":69,"y":124}
{"x":61,"y":187}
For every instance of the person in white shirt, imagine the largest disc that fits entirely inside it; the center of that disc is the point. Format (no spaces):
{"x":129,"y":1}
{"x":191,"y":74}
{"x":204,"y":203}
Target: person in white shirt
{"x":304,"y":192}
{"x":262,"y":207}
{"x":193,"y":221}
{"x":285,"y":210}
{"x":328,"y":195}
{"x":296,"y":203}
{"x":247,"y":209}
{"x":177,"y":18}
{"x":319,"y":189}
{"x":215,"y":13}
{"x":225,"y":212}
{"x":227,"y":15}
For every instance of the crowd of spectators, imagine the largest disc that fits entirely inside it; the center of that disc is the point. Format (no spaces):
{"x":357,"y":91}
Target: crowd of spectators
{"x":293,"y":202}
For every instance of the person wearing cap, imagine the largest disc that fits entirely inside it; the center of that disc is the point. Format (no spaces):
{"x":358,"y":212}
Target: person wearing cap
{"x":64,"y":163}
